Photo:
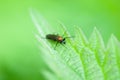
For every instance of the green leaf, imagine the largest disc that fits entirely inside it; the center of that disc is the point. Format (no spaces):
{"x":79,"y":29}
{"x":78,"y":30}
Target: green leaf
{"x":82,"y":60}
{"x":88,"y":58}
{"x":96,"y":44}
{"x":111,"y":66}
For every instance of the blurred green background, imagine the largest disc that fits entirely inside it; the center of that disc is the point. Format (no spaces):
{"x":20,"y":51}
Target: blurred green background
{"x":19,"y":53}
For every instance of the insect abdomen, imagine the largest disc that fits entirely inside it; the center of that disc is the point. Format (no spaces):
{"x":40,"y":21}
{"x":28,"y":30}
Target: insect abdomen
{"x":51,"y":37}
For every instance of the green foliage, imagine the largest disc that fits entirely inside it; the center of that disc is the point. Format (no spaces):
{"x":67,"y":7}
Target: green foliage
{"x":84,"y":59}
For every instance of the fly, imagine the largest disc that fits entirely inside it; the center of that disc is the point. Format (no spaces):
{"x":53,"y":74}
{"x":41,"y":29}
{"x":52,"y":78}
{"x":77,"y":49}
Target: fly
{"x":57,"y":39}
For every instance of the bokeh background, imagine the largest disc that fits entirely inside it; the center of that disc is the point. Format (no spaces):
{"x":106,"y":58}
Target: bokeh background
{"x":19,"y":53}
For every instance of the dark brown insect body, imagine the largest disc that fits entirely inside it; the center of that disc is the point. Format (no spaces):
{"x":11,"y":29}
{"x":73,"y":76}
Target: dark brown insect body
{"x":56,"y":38}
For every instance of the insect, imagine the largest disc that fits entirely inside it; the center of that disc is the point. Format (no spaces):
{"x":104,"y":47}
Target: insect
{"x":57,"y":38}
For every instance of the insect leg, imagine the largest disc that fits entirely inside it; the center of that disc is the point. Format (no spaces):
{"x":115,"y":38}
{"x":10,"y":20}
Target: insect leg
{"x":55,"y":45}
{"x":64,"y":46}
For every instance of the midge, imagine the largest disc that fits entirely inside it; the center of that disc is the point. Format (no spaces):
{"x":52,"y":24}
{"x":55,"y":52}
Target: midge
{"x":57,"y":39}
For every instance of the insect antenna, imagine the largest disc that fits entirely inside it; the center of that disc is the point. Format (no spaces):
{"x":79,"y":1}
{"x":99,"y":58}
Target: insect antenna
{"x":70,"y":37}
